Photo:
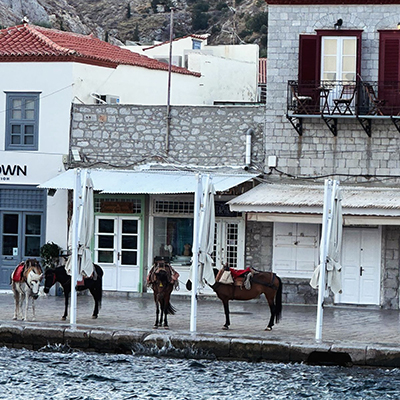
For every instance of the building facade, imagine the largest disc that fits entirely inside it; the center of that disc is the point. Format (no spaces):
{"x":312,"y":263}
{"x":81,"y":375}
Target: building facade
{"x":156,"y":195}
{"x":44,"y":72}
{"x":332,"y":112}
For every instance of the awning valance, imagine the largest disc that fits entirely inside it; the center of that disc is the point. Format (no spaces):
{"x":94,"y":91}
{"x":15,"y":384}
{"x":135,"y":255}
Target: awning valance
{"x":146,"y":181}
{"x":277,"y":199}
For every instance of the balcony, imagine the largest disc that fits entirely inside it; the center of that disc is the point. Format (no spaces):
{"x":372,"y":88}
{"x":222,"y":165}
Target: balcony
{"x":331,"y":100}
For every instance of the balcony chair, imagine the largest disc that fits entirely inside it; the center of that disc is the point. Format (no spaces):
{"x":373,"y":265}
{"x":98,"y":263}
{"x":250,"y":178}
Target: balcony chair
{"x":375,"y":104}
{"x":342,"y":105}
{"x":302,"y":104}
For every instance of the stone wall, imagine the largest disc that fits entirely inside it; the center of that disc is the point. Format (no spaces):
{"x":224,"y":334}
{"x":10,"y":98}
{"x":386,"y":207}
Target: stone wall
{"x":390,"y":267}
{"x":121,"y":135}
{"x":318,"y":152}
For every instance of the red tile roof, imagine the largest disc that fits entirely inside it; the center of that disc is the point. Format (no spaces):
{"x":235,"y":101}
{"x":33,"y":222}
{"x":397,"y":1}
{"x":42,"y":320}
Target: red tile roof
{"x":30,"y":43}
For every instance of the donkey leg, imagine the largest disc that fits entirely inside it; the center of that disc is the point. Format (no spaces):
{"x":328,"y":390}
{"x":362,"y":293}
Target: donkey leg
{"x":273,"y":312}
{"x":25,"y":302}
{"x":227,"y":319}
{"x":66,"y":295}
{"x":163,"y":314}
{"x":156,"y":324}
{"x":166,"y":316}
{"x":16,"y":309}
{"x":33,"y":308}
{"x":96,"y":302}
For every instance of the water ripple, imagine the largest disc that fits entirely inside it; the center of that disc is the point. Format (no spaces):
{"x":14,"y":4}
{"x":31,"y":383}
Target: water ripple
{"x":66,"y":374}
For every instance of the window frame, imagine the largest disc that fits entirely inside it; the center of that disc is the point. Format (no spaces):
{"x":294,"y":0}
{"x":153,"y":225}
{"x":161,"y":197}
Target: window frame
{"x":23,"y":121}
{"x":310,"y":48}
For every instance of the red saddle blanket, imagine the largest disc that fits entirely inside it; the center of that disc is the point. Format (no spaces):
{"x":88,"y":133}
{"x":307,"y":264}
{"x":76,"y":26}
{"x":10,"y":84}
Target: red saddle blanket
{"x":17,"y":274}
{"x":238,"y":272}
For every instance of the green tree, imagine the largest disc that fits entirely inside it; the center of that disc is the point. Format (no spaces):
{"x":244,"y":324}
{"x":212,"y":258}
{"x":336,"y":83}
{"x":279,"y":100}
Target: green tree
{"x":256,"y":22}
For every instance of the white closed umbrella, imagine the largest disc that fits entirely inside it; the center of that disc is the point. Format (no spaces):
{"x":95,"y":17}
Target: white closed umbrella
{"x":86,"y":229}
{"x":203,"y":241}
{"x":207,"y":235}
{"x":81,"y":232}
{"x":327,"y":275}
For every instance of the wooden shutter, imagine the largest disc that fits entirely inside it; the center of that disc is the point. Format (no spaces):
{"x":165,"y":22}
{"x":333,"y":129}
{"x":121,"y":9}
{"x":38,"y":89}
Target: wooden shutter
{"x":308,"y":75}
{"x":389,"y":52}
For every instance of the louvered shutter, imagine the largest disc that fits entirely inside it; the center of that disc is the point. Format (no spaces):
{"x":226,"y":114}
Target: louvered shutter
{"x":308,"y":75}
{"x":388,"y":88}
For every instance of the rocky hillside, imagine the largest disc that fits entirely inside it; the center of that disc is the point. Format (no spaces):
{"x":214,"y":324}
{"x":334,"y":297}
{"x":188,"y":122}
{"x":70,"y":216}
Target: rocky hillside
{"x":144,"y":21}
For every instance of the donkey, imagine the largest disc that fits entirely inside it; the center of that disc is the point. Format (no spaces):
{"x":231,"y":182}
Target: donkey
{"x":25,"y":281}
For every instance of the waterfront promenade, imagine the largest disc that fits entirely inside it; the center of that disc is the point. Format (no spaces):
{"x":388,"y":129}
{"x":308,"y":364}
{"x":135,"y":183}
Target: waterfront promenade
{"x":368,"y":336}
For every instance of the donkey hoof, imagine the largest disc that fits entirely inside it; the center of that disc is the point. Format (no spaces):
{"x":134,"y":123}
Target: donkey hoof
{"x":166,"y":327}
{"x":94,"y":316}
{"x":225,"y":327}
{"x":155,"y":327}
{"x":268,"y":328}
{"x":15,"y":318}
{"x":63,"y":318}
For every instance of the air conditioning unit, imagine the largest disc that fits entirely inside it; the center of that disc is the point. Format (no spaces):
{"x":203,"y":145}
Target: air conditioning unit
{"x":106,"y":99}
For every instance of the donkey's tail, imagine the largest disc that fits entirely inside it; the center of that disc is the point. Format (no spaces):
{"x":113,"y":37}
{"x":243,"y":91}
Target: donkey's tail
{"x":278,"y":302}
{"x":171,"y":309}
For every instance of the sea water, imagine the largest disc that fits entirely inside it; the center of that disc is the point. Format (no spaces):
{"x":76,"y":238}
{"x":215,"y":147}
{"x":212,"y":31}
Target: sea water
{"x":65,"y":374}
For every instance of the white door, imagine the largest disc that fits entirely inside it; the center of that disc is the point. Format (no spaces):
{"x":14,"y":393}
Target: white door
{"x":229,"y":243}
{"x":295,"y":251}
{"x":117,"y":250}
{"x":361,"y":254}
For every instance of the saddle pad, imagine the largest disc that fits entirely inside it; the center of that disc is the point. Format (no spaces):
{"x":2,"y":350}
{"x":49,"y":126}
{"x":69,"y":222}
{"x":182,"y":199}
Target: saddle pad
{"x":17,"y":274}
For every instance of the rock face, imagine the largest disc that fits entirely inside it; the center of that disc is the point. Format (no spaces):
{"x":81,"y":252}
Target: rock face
{"x":144,"y":21}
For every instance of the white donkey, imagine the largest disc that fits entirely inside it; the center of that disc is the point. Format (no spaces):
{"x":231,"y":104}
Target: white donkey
{"x":25,"y":281}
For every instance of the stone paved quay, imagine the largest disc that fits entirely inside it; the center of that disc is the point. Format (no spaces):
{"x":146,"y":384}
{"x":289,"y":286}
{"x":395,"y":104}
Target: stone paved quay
{"x":363,"y":336}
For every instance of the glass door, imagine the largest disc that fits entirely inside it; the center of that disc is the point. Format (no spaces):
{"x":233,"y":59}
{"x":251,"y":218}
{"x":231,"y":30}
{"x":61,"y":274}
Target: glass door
{"x":229,"y":243}
{"x":117,"y":250}
{"x":338,"y":66}
{"x":21,"y":238}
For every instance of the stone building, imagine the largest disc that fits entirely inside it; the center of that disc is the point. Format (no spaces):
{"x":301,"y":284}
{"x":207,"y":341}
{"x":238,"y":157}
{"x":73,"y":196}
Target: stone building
{"x":144,"y":172}
{"x":332,"y":112}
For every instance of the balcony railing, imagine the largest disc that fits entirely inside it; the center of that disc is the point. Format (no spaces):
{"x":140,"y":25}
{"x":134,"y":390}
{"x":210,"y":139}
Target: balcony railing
{"x":342,"y":99}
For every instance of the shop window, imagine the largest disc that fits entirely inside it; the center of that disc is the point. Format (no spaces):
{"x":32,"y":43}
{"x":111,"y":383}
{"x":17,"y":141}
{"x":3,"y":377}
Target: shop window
{"x":173,"y":238}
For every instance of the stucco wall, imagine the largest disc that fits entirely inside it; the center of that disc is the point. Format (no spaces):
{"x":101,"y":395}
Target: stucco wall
{"x":126,"y":135}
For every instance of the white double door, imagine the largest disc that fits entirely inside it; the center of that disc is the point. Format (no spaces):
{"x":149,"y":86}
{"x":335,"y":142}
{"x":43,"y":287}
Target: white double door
{"x":117,"y":251}
{"x":361,"y":256}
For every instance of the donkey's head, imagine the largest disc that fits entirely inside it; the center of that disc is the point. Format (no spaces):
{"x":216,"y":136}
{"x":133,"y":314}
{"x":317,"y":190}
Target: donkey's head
{"x":33,"y":281}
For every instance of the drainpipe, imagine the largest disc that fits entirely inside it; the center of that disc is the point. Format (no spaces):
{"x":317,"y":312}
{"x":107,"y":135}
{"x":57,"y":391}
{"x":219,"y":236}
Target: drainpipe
{"x":169,"y":82}
{"x":249,"y":134}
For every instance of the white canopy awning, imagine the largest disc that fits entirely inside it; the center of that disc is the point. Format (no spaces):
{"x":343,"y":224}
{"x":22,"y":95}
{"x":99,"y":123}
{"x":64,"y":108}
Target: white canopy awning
{"x":146,"y":182}
{"x":280,"y":202}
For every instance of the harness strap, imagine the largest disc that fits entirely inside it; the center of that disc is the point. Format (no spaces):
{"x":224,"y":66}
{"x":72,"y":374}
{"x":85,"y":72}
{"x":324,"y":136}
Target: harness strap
{"x":268,"y":284}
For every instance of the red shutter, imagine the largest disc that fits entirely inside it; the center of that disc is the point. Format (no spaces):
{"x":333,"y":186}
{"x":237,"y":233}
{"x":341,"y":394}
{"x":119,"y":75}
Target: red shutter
{"x":307,"y":64}
{"x":389,"y":52}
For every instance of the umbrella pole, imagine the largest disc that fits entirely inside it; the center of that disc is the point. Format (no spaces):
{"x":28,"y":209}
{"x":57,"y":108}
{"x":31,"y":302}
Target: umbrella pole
{"x":74,"y":249}
{"x":326,"y":219}
{"x":195,"y":261}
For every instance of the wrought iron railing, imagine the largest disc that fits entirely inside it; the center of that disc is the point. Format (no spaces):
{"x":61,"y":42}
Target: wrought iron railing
{"x":344,"y":98}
